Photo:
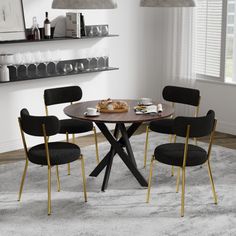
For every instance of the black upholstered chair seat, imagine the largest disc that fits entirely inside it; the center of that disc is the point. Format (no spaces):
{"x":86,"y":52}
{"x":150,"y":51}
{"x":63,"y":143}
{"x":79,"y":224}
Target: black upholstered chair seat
{"x":173,"y":154}
{"x":60,"y":153}
{"x":73,"y":126}
{"x":184,"y":154}
{"x":47,"y":154}
{"x":164,"y":126}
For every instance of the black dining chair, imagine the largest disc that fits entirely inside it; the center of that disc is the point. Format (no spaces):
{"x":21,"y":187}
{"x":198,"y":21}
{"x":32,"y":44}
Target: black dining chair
{"x":174,"y":94}
{"x":48,"y":154}
{"x":69,"y":94}
{"x":184,"y":155}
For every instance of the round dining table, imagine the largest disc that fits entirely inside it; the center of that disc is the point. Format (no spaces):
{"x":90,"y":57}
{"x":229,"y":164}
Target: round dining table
{"x":126,"y":123}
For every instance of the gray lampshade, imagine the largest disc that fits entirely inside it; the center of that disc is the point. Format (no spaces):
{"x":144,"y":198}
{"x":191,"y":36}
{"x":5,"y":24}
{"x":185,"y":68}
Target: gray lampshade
{"x":167,"y":3}
{"x":84,"y":4}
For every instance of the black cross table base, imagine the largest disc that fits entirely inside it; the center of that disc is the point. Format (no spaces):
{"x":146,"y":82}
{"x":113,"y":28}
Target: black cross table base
{"x":117,"y":147}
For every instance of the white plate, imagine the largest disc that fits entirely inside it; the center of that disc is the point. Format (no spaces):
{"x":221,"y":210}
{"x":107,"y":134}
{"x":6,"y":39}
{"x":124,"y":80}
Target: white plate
{"x":97,"y":114}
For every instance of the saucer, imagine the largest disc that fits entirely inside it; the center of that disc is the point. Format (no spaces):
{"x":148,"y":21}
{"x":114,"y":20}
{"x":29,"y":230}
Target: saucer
{"x":97,"y":114}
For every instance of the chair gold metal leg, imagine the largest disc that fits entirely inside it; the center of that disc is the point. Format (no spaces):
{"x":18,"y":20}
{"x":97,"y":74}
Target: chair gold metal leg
{"x":73,"y":138}
{"x":49,"y":190}
{"x":175,"y":139}
{"x":67,"y":140}
{"x":23,"y":179}
{"x":183,"y":192}
{"x":146,"y":147}
{"x":172,"y":169}
{"x":212,"y":182}
{"x":83,"y":176}
{"x":177,"y":180}
{"x":96,"y":144}
{"x":150,"y":180}
{"x":58,"y":180}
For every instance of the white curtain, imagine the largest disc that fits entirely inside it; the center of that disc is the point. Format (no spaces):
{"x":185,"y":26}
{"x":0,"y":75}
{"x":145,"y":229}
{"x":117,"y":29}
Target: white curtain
{"x":178,"y":49}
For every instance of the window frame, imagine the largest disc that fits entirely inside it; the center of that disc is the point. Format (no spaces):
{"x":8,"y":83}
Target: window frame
{"x":221,"y":78}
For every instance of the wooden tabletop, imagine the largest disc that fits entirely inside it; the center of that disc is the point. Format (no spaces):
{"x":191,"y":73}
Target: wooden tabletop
{"x":77,"y":111}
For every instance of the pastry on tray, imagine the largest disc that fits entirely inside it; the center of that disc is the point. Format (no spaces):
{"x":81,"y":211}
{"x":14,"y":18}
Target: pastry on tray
{"x":109,"y":105}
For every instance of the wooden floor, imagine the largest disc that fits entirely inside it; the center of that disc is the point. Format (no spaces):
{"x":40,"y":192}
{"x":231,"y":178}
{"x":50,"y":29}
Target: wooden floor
{"x":221,"y":139}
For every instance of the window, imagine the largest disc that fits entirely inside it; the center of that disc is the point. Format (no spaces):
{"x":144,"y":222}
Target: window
{"x":229,"y":77}
{"x":215,"y":40}
{"x":210,"y":41}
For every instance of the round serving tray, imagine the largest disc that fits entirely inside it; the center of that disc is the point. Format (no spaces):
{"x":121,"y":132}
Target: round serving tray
{"x":113,"y":111}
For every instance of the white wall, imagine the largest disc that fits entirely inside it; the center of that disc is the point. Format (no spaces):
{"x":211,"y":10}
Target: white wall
{"x":136,"y":52}
{"x":221,"y":98}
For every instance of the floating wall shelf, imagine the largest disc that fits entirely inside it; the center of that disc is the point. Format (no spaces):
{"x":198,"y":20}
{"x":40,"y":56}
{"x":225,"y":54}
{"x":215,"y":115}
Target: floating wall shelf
{"x":72,"y":73}
{"x":56,"y":39}
{"x":63,"y":68}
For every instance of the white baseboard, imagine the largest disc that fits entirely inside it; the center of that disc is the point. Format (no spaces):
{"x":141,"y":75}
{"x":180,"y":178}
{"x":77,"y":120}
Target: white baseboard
{"x":10,"y":145}
{"x":225,"y":127}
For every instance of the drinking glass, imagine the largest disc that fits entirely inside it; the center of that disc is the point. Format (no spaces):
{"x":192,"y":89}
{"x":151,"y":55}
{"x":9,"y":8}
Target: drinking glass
{"x":27,"y":60}
{"x":30,"y":60}
{"x":105,"y":57}
{"x":89,"y":59}
{"x":105,"y":30}
{"x":57,"y":59}
{"x":97,"y":60}
{"x":105,"y":62}
{"x":81,"y":67}
{"x":98,"y":31}
{"x":97,"y":54}
{"x":91,"y":32}
{"x":38,"y":60}
{"x":67,"y":68}
{"x":17,"y":61}
{"x":47,"y":60}
{"x":76,"y":67}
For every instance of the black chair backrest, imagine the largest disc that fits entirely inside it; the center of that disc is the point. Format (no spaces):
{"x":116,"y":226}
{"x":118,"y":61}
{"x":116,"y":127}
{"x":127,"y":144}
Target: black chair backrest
{"x":199,"y":126}
{"x":182,"y":95}
{"x":32,"y":125}
{"x":62,"y":95}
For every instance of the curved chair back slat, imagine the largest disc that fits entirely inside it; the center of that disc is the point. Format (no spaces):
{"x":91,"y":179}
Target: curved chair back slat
{"x":62,"y":95}
{"x":32,"y":125}
{"x":182,"y":95}
{"x":199,"y":126}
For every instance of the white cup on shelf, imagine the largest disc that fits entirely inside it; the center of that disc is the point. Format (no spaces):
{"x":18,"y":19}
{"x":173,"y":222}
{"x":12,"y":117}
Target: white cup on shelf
{"x":91,"y":111}
{"x":4,"y":73}
{"x":5,"y":60}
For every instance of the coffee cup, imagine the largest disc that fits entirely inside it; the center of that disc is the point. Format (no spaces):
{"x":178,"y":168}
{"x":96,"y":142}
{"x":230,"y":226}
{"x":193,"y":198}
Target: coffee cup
{"x":91,"y":111}
{"x":145,"y":101}
{"x":159,"y":108}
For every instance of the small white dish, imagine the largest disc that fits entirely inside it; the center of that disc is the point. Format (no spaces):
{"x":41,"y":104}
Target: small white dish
{"x":97,"y":114}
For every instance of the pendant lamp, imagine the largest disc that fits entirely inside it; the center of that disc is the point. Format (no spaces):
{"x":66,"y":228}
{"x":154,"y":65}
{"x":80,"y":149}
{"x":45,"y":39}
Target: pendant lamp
{"x":167,"y":3}
{"x":84,"y":4}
